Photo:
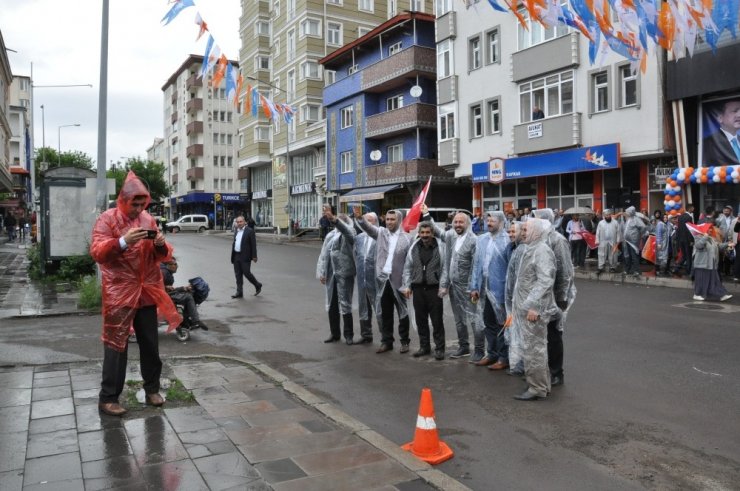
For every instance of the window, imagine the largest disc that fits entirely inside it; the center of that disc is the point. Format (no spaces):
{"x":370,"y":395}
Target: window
{"x":546,"y":97}
{"x":310,"y":69}
{"x":241,"y":140}
{"x":444,"y":59}
{"x":599,"y":92}
{"x":392,"y":8}
{"x":447,"y":126}
{"x":334,"y":33}
{"x":346,"y":162}
{"x":334,"y":2}
{"x":215,"y":161}
{"x":394,"y":102}
{"x":628,"y":92}
{"x":223,"y":161}
{"x":494,"y":116}
{"x":536,"y":33}
{"x":474,"y":58}
{"x":395,"y":153}
{"x":291,"y":130}
{"x":348,"y":116}
{"x":476,"y":121}
{"x":262,"y":134}
{"x":291,"y":85}
{"x":416,"y":5}
{"x":493,"y":55}
{"x":229,"y":184}
{"x":261,"y":62}
{"x":352,"y":69}
{"x":366,"y":5}
{"x":330,"y":76}
{"x":310,"y":27}
{"x":441,"y":7}
{"x":276,"y":8}
{"x":276,"y":47}
{"x":290,"y":50}
{"x":215,"y":138}
{"x":228,"y":139}
{"x":215,"y":184}
{"x":290,"y":8}
{"x":361,"y":31}
{"x":229,"y":161}
{"x":310,"y":112}
{"x":262,"y":28}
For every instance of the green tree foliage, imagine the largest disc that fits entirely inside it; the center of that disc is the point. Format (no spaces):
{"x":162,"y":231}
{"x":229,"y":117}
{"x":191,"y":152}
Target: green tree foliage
{"x":52,"y":159}
{"x":152,"y":173}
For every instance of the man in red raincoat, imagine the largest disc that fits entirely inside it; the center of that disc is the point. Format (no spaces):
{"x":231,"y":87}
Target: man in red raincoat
{"x":128,"y":248}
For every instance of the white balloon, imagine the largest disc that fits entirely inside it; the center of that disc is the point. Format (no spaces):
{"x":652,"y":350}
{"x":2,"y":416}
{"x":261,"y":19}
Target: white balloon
{"x":681,"y":177}
{"x":715,"y":178}
{"x":735,"y":175}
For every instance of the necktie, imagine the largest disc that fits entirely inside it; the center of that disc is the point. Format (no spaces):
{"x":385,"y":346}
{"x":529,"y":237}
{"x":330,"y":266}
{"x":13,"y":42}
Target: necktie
{"x":736,"y":147}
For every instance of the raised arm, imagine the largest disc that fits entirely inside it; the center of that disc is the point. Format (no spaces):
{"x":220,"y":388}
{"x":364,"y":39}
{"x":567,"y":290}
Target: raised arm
{"x":368,"y":228}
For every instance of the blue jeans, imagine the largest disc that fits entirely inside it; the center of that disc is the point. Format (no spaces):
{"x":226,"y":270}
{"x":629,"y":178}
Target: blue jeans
{"x":631,"y":259}
{"x":494,"y":334}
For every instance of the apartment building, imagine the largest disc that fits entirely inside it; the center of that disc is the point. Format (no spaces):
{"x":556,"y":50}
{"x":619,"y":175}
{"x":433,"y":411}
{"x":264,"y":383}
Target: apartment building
{"x":200,"y":145}
{"x":155,"y":152}
{"x":283,"y":165}
{"x":20,"y":153}
{"x":525,"y":115}
{"x":6,"y":78}
{"x":381,"y":118}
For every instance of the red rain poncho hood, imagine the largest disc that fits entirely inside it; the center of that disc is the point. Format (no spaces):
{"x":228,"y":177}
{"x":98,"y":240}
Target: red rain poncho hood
{"x":131,"y":278}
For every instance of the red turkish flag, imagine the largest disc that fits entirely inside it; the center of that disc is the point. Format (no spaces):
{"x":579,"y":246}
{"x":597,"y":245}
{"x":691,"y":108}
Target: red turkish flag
{"x":411,"y":220}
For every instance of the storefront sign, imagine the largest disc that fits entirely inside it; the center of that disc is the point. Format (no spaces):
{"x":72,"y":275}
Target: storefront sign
{"x":302,"y":188}
{"x":226,"y":198}
{"x":259,"y":195}
{"x":597,"y":157}
{"x":534,"y":130}
{"x":659,"y":176}
{"x":495,"y":170}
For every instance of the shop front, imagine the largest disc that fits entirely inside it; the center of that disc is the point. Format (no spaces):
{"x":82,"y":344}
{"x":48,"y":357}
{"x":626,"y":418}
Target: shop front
{"x":305,"y":205}
{"x":262,"y":196}
{"x":219,"y":207}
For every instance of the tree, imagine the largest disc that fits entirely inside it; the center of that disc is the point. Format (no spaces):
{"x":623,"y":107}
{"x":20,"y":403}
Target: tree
{"x":52,"y":159}
{"x":152,"y":173}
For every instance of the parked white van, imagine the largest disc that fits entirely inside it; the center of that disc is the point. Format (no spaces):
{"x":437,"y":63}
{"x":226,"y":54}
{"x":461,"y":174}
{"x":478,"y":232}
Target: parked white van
{"x":189,"y":223}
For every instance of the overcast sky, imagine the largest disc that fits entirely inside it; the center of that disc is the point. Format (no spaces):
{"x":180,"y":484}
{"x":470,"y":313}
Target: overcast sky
{"x":62,"y":40}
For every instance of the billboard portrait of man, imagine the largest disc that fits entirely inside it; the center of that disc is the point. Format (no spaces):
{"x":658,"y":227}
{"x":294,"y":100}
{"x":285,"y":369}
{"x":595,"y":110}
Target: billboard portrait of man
{"x":720,"y":126}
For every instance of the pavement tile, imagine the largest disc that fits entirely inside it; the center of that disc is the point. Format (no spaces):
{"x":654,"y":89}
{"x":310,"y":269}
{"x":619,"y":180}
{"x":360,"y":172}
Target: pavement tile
{"x":85,"y":383}
{"x":53,"y":443}
{"x":53,"y":468}
{"x":203,"y":436}
{"x":191,"y":418}
{"x":271,"y":393}
{"x":208,"y":391}
{"x":226,"y":470}
{"x":223,"y":398}
{"x":56,"y":423}
{"x":13,"y":451}
{"x":256,"y":485}
{"x":14,"y":397}
{"x":192,"y":370}
{"x":317,"y":426}
{"x":199,"y":450}
{"x":240,"y":374}
{"x":104,"y":444}
{"x":248,"y":386}
{"x":89,"y":418}
{"x":242,"y":409}
{"x":231,"y":422}
{"x":202,"y":381}
{"x":11,"y":480}
{"x":415,"y":485}
{"x":314,"y":442}
{"x":38,"y":375}
{"x":88,"y":369}
{"x":52,"y":407}
{"x":154,"y":441}
{"x":264,"y":434}
{"x":16,"y":380}
{"x":46,"y":393}
{"x":66,"y":485}
{"x":112,"y":473}
{"x":365,"y":477}
{"x":181,"y":475}
{"x":14,"y":419}
{"x":51,"y":382}
{"x":281,"y":470}
{"x":336,"y":459}
{"x":280,"y":417}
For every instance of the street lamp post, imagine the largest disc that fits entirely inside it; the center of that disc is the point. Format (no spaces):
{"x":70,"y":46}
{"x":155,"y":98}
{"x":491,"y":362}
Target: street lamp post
{"x":59,"y":141}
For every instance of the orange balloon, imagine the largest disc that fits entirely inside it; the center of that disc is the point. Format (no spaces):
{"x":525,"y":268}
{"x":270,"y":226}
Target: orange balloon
{"x":689,"y":171}
{"x":704,"y":178}
{"x":677,"y":199}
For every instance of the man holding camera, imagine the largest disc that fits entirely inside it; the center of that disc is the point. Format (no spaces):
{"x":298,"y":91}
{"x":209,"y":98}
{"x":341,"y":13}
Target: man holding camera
{"x":128,"y":249}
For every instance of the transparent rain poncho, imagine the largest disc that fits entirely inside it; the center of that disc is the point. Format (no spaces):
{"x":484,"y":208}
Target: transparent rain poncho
{"x":131,"y":278}
{"x":534,"y":292}
{"x":663,"y":232}
{"x":336,"y":263}
{"x":382,"y":244}
{"x":365,"y":265}
{"x":634,"y":229}
{"x":459,"y":261}
{"x":512,"y":335}
{"x":489,"y":269}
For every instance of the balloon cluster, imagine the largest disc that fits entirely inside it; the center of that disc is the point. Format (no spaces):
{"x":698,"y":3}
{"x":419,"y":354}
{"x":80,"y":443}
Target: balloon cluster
{"x":702,"y":175}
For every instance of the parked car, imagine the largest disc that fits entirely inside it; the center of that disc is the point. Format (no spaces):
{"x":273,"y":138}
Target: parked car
{"x":189,"y":223}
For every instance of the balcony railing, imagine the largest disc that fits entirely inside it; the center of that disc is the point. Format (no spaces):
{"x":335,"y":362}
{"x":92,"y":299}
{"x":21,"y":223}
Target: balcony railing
{"x":194,"y":127}
{"x":401,"y":120}
{"x":194,"y":105}
{"x":193,"y":81}
{"x":548,"y":134}
{"x":174,"y":117}
{"x":393,"y":71}
{"x":195,"y":150}
{"x":194,"y":173}
{"x":415,"y":170}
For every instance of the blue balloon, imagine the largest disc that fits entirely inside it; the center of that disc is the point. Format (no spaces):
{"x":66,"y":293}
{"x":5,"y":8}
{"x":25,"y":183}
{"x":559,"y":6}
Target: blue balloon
{"x":692,"y":178}
{"x":728,"y":178}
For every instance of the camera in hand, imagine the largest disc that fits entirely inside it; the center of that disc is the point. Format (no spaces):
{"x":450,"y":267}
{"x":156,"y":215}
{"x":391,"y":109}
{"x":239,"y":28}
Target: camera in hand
{"x":151,"y":234}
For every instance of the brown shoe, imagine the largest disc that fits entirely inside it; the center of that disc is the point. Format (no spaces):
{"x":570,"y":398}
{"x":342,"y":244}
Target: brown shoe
{"x":499,"y":366}
{"x":154,"y":399}
{"x":112,"y":408}
{"x":383,"y":348}
{"x":485,"y":361}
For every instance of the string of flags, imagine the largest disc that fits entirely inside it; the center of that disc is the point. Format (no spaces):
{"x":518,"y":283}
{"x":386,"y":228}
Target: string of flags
{"x":223,"y":71}
{"x":633,"y":28}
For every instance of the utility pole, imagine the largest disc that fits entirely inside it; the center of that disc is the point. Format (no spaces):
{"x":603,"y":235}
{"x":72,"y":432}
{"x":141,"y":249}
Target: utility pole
{"x":102,"y":183}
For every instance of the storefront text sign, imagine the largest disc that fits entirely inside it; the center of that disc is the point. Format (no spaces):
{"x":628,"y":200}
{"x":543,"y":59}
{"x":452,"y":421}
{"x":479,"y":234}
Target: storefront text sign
{"x":495,"y":170}
{"x":301,"y":188}
{"x":259,"y":195}
{"x":534,"y":130}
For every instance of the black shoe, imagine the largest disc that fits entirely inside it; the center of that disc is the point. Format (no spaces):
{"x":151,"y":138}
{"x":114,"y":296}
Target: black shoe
{"x":527,"y":396}
{"x":612,"y":270}
{"x":384,"y":347}
{"x":364,"y":340}
{"x":237,"y":295}
{"x":599,"y":271}
{"x":461,"y":352}
{"x":404,"y":348}
{"x":331,"y":339}
{"x":259,"y":290}
{"x":557,"y":380}
{"x":200,"y":325}
{"x":422,"y":352}
{"x":439,"y":354}
{"x":349,"y":341}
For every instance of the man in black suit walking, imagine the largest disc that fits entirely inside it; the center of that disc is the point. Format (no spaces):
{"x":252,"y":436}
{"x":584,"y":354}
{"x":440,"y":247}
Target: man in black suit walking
{"x":244,"y":250}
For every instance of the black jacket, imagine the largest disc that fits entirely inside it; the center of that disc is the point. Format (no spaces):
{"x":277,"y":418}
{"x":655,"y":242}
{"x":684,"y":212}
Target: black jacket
{"x":248,"y":247}
{"x":716,"y":150}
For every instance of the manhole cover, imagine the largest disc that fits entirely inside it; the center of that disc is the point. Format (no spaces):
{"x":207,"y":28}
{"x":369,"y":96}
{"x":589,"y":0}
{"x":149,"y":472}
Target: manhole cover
{"x":703,"y":306}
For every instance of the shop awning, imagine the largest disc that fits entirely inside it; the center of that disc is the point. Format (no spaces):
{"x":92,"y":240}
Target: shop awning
{"x":368,"y":194}
{"x":14,"y":169}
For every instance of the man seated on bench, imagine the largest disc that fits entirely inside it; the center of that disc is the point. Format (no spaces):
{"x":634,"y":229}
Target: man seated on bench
{"x":181,"y":295}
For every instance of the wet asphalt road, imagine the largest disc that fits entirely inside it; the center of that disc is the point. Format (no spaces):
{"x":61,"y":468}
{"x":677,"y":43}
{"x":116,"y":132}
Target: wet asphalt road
{"x":651,"y":396}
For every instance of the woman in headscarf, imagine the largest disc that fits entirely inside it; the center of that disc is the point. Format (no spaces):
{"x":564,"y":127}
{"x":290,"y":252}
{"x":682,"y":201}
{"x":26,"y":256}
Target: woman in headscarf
{"x":707,"y":283}
{"x":533,"y":305}
{"x":512,"y":335}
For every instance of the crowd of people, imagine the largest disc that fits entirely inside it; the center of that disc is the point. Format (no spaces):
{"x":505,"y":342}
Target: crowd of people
{"x":512,"y":286}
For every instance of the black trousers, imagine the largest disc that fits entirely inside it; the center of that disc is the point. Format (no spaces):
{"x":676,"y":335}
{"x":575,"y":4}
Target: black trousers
{"x":335,"y":317}
{"x":686,"y":252}
{"x":427,"y":304}
{"x":114,"y":362}
{"x":555,"y":348}
{"x":388,"y":302}
{"x":243,"y":269}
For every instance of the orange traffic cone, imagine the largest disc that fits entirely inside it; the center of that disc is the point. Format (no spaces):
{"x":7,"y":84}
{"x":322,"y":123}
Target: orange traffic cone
{"x":426,"y":445}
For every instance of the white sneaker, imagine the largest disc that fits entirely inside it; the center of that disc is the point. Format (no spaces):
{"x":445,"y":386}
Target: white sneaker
{"x":726,"y":297}
{"x":698,"y":298}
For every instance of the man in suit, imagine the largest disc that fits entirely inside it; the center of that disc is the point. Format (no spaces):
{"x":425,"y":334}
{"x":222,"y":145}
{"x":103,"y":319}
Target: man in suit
{"x":243,"y":251}
{"x":684,"y":238}
{"x":722,"y":147}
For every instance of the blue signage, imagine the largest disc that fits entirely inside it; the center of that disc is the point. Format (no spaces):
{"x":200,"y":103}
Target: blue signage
{"x":597,"y":157}
{"x":208,"y":198}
